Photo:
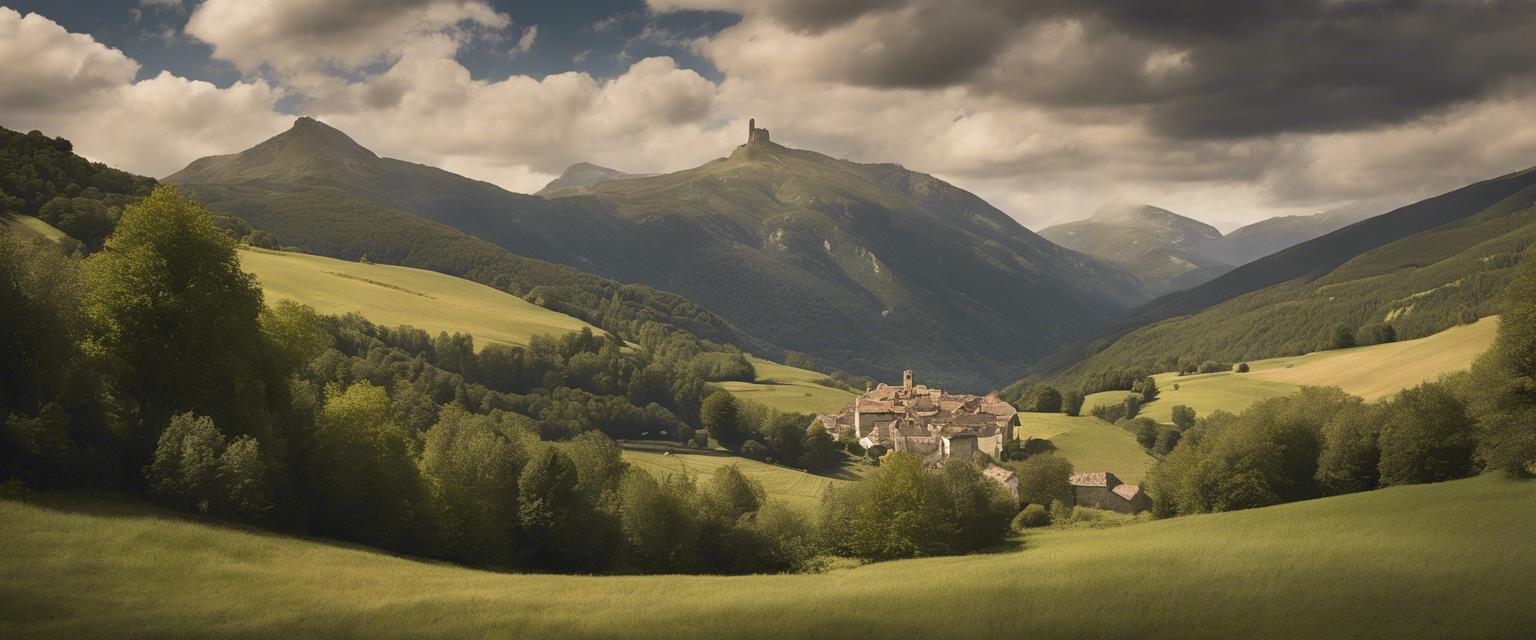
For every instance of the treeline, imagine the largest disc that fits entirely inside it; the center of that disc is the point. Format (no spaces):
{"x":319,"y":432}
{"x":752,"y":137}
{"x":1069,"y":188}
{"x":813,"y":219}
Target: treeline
{"x":1324,"y":442}
{"x":153,"y":366}
{"x":42,"y":177}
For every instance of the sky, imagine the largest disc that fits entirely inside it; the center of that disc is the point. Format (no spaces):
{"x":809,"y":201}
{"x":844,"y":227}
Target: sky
{"x":1229,"y":112}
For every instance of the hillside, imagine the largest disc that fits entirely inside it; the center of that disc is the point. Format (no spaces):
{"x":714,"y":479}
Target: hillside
{"x":798,"y":489}
{"x":1423,"y":268}
{"x":392,"y":295}
{"x":1372,"y":372}
{"x":1164,"y":250}
{"x":88,"y":567}
{"x":1090,"y":444}
{"x":868,"y":268}
{"x":585,"y":174}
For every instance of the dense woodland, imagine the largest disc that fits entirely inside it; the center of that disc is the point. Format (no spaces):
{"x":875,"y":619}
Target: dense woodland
{"x":153,"y":366}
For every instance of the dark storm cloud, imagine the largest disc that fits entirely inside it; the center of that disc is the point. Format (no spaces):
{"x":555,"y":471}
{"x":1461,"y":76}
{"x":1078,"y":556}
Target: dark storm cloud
{"x":1241,"y":68}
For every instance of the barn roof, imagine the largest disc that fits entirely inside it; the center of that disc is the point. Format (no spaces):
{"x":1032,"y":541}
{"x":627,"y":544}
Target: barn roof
{"x":1101,"y":479}
{"x":1127,"y":491}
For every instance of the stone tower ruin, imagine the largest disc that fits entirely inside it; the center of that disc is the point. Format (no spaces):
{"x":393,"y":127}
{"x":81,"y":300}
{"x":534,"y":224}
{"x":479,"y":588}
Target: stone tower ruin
{"x":755,"y":134}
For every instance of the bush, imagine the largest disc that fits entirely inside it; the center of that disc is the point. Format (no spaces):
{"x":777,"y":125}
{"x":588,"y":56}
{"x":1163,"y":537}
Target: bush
{"x":1375,"y":333}
{"x":1242,"y":367}
{"x":1131,"y":406}
{"x":1145,"y":430}
{"x":1044,"y":480}
{"x":902,"y":510}
{"x":1183,"y":417}
{"x":1426,"y":437}
{"x":1167,"y":439}
{"x":186,"y":466}
{"x":1072,"y":402}
{"x":754,"y":450}
{"x":1032,"y":516}
{"x":1041,"y":398}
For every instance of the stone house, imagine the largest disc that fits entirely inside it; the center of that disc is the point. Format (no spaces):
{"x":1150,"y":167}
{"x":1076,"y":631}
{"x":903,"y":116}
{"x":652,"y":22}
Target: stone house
{"x":1105,"y":491}
{"x":1006,"y":477}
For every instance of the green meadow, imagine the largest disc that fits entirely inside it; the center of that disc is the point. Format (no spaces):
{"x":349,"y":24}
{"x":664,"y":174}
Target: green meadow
{"x":28,"y":228}
{"x":391,"y":295}
{"x":794,"y":487}
{"x":1091,"y":444}
{"x":786,"y":388}
{"x":1427,"y":561}
{"x":1372,"y":372}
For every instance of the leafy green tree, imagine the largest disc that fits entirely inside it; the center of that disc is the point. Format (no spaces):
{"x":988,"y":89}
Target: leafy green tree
{"x":659,"y":524}
{"x":1343,"y":338}
{"x":1072,"y":402}
{"x":1183,"y":417}
{"x":785,"y":435}
{"x":1146,"y":432}
{"x":721,"y":416}
{"x":1147,"y":388}
{"x":1351,"y":455}
{"x":897,"y":511}
{"x":820,"y":450}
{"x":1167,"y":438}
{"x":1375,"y":333}
{"x":185,"y":470}
{"x":1504,"y":380}
{"x":1242,"y":367}
{"x":245,"y":490}
{"x":1426,"y":436}
{"x":471,"y":470}
{"x":1131,"y":406}
{"x":359,"y":467}
{"x":978,"y":509}
{"x":172,"y":306}
{"x":1042,"y":398}
{"x":1044,"y":479}
{"x":552,"y":512}
{"x":600,"y":467}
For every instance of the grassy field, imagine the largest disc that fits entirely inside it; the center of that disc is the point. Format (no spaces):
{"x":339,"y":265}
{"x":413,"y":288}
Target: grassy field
{"x":1090,"y":443}
{"x":28,"y":227}
{"x":1371,"y":372}
{"x":797,"y":488}
{"x":392,"y":295}
{"x":788,"y":389}
{"x":1431,"y":561}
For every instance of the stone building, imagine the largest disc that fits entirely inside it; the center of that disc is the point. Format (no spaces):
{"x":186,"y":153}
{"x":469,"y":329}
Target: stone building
{"x":930,"y":423}
{"x":755,"y":134}
{"x":1105,"y":491}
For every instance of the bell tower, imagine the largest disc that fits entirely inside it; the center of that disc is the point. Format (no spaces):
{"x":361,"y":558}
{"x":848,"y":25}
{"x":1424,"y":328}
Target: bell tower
{"x":906,"y":379}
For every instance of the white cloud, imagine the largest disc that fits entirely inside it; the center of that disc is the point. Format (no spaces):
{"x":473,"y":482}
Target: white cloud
{"x":69,"y":85}
{"x":296,"y":36}
{"x":525,"y":43}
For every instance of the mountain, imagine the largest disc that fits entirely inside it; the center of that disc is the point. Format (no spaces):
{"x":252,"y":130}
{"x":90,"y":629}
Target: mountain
{"x":869,"y":268}
{"x":1422,"y":268}
{"x":1272,"y":235}
{"x":1165,"y":250}
{"x":586,"y":174}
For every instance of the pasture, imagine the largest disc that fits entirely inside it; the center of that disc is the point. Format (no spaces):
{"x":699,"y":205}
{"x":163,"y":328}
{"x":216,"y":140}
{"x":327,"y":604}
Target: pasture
{"x":796,"y":488}
{"x":391,"y":295}
{"x":1091,"y":444}
{"x":1427,"y":561}
{"x":788,"y":389}
{"x":1372,"y":372}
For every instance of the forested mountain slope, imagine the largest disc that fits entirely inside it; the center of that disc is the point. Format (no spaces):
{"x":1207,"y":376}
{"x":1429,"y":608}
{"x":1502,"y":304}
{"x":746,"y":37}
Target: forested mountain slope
{"x":868,"y":268}
{"x":1272,"y":235}
{"x":1421,"y":267}
{"x":1419,"y":285}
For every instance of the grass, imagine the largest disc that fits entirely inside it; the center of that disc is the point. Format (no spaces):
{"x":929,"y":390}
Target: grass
{"x":796,"y":488}
{"x":1090,"y":443}
{"x":392,"y":295}
{"x":1372,"y":372}
{"x":28,"y":228}
{"x":1430,"y":561}
{"x":786,"y":388}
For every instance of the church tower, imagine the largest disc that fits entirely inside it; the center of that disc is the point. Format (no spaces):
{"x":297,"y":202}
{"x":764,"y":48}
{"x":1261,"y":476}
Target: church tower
{"x":755,"y":134}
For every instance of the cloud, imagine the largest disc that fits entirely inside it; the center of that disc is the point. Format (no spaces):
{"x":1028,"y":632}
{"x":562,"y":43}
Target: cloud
{"x":297,"y":36}
{"x":69,"y":85}
{"x":525,"y":42}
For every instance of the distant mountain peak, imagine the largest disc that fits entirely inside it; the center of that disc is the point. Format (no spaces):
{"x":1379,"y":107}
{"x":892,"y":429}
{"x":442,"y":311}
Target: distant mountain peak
{"x":586,"y":174}
{"x":308,"y":148}
{"x":1149,"y":215}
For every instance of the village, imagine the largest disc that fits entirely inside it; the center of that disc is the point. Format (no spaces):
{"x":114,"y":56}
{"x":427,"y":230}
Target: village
{"x":939,"y":426}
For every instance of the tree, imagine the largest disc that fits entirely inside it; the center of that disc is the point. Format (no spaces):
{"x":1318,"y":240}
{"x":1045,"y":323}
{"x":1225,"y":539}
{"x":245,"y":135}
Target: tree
{"x":820,"y":450}
{"x":471,"y":470}
{"x":785,"y":435}
{"x":1375,"y":333}
{"x":1072,"y":402}
{"x":359,"y":468}
{"x":1146,"y":432}
{"x":1351,"y":455}
{"x":1242,"y":367}
{"x":1131,"y":406}
{"x":185,"y":470}
{"x":1042,"y":398}
{"x":1147,"y":387}
{"x":1183,"y":417}
{"x":171,"y":305}
{"x":659,"y":525}
{"x":1044,"y":479}
{"x":245,"y":488}
{"x":1343,"y":338}
{"x":1504,"y":380}
{"x":721,"y":416}
{"x":1426,"y":436}
{"x":552,"y":512}
{"x":1167,"y":438}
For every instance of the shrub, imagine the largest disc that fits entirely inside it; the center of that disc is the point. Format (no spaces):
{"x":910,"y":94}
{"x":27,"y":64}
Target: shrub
{"x":185,"y":470}
{"x":1145,"y":430}
{"x":1044,"y":479}
{"x":1032,"y":516}
{"x":1375,"y":333}
{"x":1167,"y":439}
{"x":1072,"y":402}
{"x":1183,"y":417}
{"x":1131,"y":406}
{"x":1242,"y":367}
{"x":754,"y":450}
{"x":1426,"y":437}
{"x":1042,"y":398}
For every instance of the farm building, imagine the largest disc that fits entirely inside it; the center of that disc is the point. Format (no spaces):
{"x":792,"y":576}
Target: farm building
{"x":931,"y":423}
{"x":1105,"y":491}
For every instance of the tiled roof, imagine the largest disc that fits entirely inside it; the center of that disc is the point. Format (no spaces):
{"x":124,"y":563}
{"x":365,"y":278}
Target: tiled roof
{"x":1127,"y":491}
{"x":1102,"y":479}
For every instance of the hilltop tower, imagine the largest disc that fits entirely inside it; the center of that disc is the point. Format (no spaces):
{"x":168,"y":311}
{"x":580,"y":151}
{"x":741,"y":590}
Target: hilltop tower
{"x":755,"y":134}
{"x":906,"y":379}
